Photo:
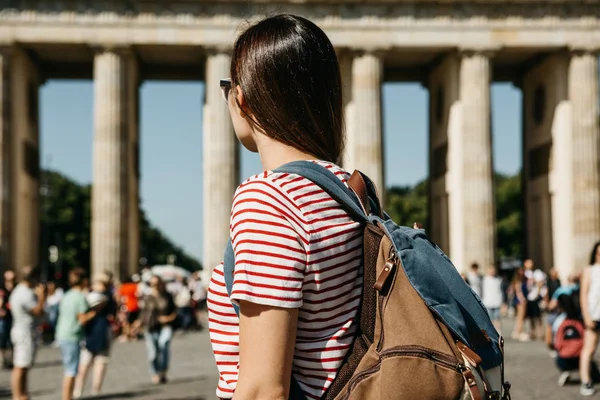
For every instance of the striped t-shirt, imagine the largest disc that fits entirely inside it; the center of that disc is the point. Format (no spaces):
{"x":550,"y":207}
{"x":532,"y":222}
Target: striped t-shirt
{"x":295,"y":247}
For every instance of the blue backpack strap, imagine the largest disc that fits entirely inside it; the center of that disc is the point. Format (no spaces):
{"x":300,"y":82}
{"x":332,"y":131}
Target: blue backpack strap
{"x":326,"y":180}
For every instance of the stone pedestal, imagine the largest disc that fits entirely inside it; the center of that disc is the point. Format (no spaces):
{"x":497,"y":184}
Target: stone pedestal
{"x":19,"y":160}
{"x":477,"y":173}
{"x":220,"y":169}
{"x":112,"y":188}
{"x":583,"y":95}
{"x":363,"y":130}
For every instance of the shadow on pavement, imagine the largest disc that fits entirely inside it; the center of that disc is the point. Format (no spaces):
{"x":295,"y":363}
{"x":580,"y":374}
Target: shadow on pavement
{"x":121,"y":395}
{"x":186,"y":380}
{"x":189,"y":398}
{"x":6,"y":393}
{"x":47,"y":364}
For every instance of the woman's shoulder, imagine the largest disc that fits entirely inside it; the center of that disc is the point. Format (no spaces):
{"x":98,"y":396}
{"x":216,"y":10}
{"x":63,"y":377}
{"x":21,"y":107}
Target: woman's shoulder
{"x":284,"y":185}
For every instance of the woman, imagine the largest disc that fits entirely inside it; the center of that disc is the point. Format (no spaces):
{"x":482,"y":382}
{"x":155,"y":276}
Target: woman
{"x":520,"y":300}
{"x":97,"y":337}
{"x":493,"y":295}
{"x":157,"y":318}
{"x":73,"y":314}
{"x":590,"y":308}
{"x":297,"y":274}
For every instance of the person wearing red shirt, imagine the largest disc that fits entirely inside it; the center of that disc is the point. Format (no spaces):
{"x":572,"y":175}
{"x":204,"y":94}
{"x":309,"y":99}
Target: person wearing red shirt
{"x":128,"y":294}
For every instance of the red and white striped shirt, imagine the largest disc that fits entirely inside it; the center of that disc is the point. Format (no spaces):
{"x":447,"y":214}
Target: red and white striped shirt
{"x":295,"y":247}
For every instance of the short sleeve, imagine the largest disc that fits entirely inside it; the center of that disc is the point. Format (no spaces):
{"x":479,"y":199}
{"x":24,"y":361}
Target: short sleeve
{"x":268,"y":236}
{"x":29,"y":301}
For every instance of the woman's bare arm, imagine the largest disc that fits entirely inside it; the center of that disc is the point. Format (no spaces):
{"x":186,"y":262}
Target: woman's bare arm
{"x":267,"y":341}
{"x":583,"y":299}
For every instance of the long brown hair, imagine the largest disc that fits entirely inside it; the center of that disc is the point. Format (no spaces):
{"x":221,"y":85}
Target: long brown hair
{"x":290,"y":76}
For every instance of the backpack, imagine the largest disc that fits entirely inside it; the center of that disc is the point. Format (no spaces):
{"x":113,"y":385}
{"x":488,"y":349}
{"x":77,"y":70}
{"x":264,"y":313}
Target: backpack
{"x":97,"y":334}
{"x":568,"y":340}
{"x":422,"y":333}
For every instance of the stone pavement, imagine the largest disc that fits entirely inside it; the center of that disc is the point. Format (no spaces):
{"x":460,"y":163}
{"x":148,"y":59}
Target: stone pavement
{"x":193,"y":375}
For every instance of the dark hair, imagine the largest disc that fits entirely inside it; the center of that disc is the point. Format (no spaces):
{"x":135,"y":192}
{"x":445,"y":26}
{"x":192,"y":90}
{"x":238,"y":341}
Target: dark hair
{"x":77,"y":276}
{"x":475,"y":266}
{"x":569,"y":303}
{"x":593,"y":255}
{"x":290,"y":76}
{"x":30,"y":273}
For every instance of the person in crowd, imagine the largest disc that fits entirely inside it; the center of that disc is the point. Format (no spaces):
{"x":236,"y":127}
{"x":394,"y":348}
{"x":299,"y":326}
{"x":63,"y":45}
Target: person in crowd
{"x":519,"y":286}
{"x":493,"y":295}
{"x":590,"y":308}
{"x":536,"y":303}
{"x":285,"y":101}
{"x":552,"y":284}
{"x":55,"y":295}
{"x":96,"y":351}
{"x":474,"y":278}
{"x":6,"y":318}
{"x":568,"y":334}
{"x":128,"y":294}
{"x":156,"y":320}
{"x":73,"y":314}
{"x":533,"y":313}
{"x":183,"y":301}
{"x":26,"y":303}
{"x":174,"y":286}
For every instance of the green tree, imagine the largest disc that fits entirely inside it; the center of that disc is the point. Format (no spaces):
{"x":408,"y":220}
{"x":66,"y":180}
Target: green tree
{"x":509,"y":215}
{"x":407,"y":205}
{"x":65,"y":223}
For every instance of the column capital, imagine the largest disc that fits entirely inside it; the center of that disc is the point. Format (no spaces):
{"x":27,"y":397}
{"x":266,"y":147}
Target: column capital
{"x":216,"y":50}
{"x":593,"y":50}
{"x":118,"y":48}
{"x":484,"y":51}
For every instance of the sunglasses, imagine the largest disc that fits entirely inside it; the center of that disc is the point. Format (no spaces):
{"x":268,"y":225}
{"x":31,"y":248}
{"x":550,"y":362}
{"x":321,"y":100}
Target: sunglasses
{"x":225,"y":88}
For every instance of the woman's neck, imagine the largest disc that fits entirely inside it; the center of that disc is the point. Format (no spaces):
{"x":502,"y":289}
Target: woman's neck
{"x":274,"y":154}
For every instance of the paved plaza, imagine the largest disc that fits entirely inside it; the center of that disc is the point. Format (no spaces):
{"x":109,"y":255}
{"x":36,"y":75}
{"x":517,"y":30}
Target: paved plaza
{"x":193,"y":375}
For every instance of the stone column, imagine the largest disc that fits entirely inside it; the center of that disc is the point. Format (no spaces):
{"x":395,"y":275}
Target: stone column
{"x":220,"y":164}
{"x":477,"y":171}
{"x":546,"y":163}
{"x":5,"y":161}
{"x":583,"y":95}
{"x":20,"y":160}
{"x":364,"y":135}
{"x":345,"y":60}
{"x":133,"y":90}
{"x":445,"y":222}
{"x":111,"y":167}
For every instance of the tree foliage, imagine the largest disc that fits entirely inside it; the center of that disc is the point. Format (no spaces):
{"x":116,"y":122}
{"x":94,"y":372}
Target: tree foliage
{"x":407,"y":205}
{"x":66,"y":223}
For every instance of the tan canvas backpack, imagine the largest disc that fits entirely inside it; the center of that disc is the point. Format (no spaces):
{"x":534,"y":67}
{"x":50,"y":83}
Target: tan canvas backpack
{"x":422,"y":332}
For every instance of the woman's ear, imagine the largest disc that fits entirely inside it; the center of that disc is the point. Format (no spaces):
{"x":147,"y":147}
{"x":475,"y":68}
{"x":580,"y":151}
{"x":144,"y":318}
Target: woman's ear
{"x":241,"y":102}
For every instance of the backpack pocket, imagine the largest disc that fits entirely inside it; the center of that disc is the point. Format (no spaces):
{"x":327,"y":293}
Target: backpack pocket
{"x":408,"y":372}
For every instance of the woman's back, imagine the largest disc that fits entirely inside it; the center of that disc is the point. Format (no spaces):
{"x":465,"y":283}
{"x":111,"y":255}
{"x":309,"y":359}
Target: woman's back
{"x":295,"y":247}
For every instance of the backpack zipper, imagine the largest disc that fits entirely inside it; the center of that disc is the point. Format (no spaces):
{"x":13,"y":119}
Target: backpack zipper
{"x":408,"y":351}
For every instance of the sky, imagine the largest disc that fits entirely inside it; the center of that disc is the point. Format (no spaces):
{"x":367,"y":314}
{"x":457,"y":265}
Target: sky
{"x":171,"y":144}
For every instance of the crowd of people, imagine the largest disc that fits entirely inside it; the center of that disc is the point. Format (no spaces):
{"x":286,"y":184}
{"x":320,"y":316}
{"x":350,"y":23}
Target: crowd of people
{"x":83,"y":319}
{"x":565,"y":315}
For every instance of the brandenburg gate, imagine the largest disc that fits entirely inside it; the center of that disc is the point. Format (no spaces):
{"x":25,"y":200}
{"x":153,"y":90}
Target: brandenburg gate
{"x":455,"y":48}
